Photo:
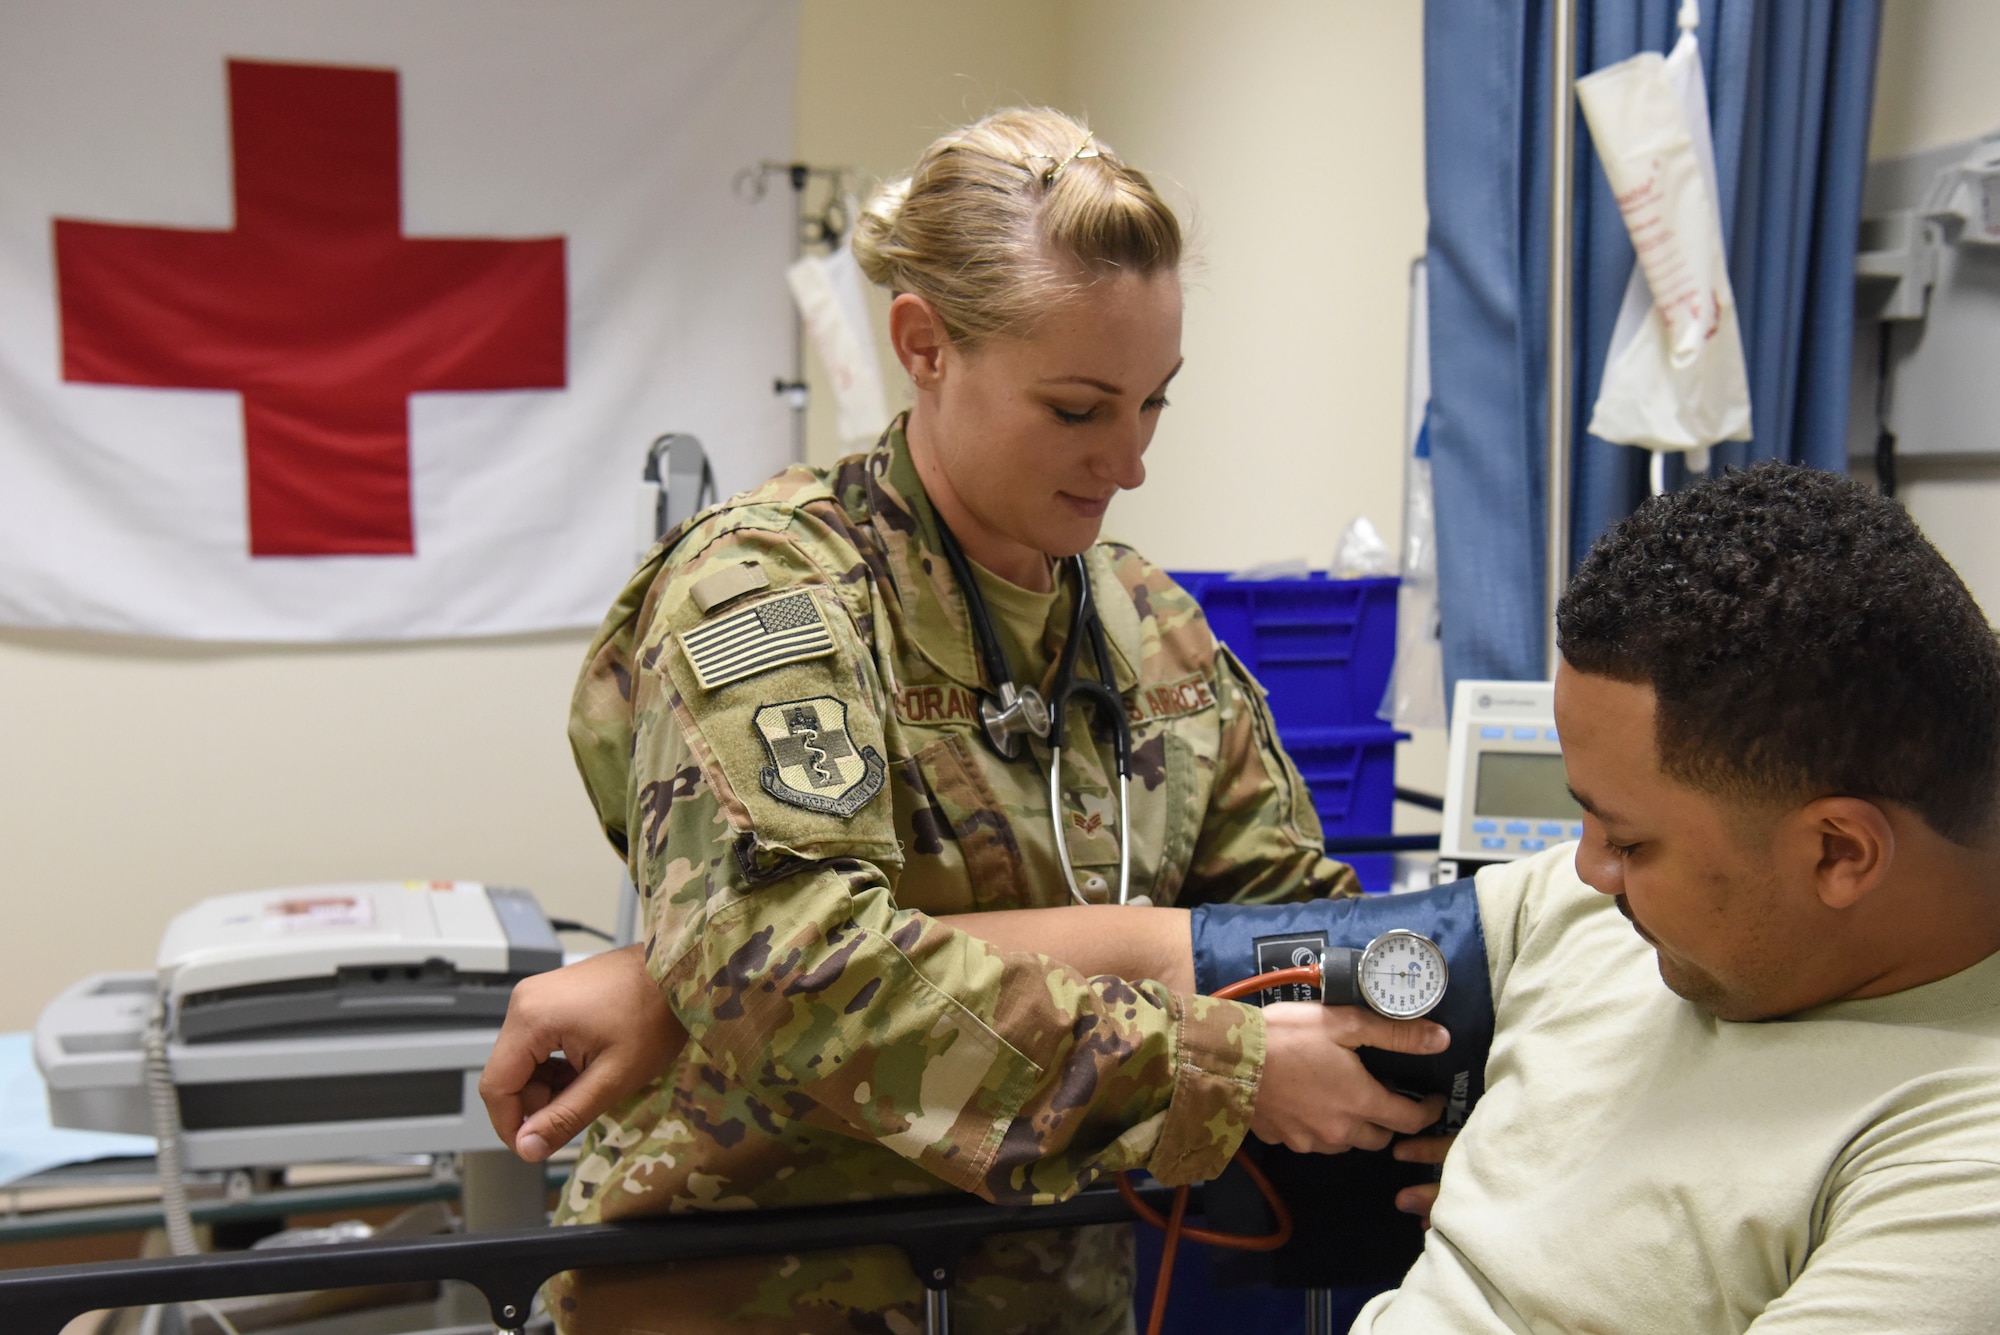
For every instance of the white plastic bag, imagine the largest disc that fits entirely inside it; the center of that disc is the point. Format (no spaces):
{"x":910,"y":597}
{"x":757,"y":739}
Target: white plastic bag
{"x":831,"y":297}
{"x":1415,"y":695}
{"x":1675,"y":377}
{"x":1362,"y":554}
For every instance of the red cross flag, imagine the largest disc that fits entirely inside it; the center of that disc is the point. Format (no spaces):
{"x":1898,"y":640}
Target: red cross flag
{"x":354,"y":321}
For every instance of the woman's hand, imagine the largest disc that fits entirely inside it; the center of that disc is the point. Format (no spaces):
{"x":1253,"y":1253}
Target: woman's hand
{"x":613,"y":1030}
{"x":1317,"y":1098}
{"x":1419,"y":1199}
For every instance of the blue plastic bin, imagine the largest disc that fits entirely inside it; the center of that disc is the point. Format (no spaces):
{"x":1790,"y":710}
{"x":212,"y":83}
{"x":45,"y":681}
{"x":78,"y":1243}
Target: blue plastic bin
{"x":1321,"y":648}
{"x":1352,"y":774}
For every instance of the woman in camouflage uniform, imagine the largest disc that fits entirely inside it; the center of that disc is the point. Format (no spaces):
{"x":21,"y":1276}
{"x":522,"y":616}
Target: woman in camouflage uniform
{"x":778,"y":724}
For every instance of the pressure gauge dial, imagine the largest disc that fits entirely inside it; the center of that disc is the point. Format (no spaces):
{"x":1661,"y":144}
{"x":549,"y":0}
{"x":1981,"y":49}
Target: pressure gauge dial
{"x":1400,"y":974}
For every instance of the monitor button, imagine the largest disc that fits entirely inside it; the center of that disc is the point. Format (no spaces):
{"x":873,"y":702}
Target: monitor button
{"x":1492,"y":733}
{"x":1526,"y":734}
{"x":1486,"y":827}
{"x":1492,"y":841}
{"x":1576,"y":831}
{"x":1549,"y":735}
{"x":1533,"y":845}
{"x":1549,"y":831}
{"x":1517,"y":827}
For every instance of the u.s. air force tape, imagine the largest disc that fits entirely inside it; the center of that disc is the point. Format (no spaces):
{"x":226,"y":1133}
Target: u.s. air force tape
{"x":786,"y":629}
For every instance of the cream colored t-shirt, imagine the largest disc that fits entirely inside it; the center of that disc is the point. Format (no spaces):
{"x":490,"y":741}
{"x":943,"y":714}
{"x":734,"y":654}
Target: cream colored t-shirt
{"x":1640,"y":1167}
{"x":1026,"y":622}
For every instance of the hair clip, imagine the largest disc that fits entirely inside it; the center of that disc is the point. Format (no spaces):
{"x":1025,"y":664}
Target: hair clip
{"x":1086,"y":149}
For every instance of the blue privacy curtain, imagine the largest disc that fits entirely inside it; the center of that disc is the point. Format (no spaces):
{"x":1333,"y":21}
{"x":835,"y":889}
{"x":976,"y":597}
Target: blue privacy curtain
{"x":1790,"y":84}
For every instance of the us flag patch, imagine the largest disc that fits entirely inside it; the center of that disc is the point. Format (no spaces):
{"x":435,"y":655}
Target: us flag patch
{"x":786,"y":629}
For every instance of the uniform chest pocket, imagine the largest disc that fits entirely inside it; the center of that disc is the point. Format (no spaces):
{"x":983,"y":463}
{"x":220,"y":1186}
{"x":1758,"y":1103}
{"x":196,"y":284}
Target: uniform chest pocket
{"x":960,"y":830}
{"x":1165,"y":802}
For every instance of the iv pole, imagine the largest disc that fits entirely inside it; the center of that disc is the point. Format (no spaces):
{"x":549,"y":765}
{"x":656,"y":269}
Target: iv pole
{"x":1562,"y":245}
{"x":826,"y":228}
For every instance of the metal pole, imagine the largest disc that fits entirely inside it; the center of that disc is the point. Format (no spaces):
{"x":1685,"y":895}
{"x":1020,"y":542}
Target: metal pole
{"x":1562,"y":194}
{"x":937,"y":1312}
{"x":510,"y":1265}
{"x":800,"y":174}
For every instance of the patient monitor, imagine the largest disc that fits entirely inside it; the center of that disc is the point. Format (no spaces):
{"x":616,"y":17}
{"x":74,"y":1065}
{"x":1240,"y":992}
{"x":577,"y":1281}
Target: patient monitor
{"x":306,"y":1024}
{"x":1506,"y":793}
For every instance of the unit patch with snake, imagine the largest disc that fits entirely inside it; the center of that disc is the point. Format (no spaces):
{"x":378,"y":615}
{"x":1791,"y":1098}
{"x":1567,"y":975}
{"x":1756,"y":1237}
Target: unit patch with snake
{"x":814,"y":762}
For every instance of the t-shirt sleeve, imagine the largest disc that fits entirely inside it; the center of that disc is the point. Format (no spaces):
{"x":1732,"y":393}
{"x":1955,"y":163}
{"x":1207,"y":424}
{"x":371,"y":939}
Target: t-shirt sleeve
{"x":1509,"y":894}
{"x":763,"y":844}
{"x":1909,"y":1233}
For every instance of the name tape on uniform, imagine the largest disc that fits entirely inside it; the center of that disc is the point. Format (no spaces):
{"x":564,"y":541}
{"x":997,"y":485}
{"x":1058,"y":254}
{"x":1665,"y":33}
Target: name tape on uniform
{"x":1173,"y":700}
{"x":956,"y":704}
{"x":936,"y":704}
{"x":789,"y":628}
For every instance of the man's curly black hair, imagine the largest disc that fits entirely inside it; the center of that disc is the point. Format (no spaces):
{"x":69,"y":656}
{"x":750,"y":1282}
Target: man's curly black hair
{"x":1802,"y":639}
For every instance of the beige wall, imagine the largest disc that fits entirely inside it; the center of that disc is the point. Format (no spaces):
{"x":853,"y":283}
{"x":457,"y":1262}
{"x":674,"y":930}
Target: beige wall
{"x":1294,"y":134}
{"x":1934,"y":85}
{"x":143,"y":776}
{"x":1934,"y":79}
{"x":880,"y":79}
{"x":1291,"y":132}
{"x":140,"y":778}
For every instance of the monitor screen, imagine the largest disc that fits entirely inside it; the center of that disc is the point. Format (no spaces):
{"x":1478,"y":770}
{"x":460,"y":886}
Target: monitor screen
{"x":1524,"y":783}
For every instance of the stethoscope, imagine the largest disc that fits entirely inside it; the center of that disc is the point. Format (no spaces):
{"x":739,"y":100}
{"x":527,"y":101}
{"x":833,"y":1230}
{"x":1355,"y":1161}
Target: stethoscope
{"x":1011,"y":713}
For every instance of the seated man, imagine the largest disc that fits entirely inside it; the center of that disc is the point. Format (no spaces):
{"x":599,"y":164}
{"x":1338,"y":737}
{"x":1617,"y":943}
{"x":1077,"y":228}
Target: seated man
{"x":1746,"y":1064}
{"x":1780,"y":710}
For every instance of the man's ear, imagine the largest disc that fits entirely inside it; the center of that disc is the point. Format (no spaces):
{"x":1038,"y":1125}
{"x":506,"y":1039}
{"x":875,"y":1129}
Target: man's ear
{"x":1856,"y":846}
{"x":919,"y":338}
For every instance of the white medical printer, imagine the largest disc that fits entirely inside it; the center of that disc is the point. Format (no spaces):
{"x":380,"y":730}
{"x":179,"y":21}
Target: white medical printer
{"x":306,"y":1024}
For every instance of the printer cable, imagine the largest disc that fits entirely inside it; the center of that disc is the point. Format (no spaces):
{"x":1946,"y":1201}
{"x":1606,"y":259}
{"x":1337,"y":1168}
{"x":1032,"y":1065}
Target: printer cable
{"x":165,"y":1106}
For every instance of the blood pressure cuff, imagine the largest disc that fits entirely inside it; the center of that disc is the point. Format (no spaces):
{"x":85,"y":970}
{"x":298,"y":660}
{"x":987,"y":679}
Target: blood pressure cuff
{"x":1348,"y":1231}
{"x":1237,"y":941}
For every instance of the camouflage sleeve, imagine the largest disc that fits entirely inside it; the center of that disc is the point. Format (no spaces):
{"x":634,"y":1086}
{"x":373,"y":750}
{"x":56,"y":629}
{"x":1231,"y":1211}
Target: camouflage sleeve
{"x":768,"y":876}
{"x":1260,"y":840}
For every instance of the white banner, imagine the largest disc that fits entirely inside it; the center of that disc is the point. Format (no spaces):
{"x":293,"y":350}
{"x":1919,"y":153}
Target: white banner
{"x":347,"y":320}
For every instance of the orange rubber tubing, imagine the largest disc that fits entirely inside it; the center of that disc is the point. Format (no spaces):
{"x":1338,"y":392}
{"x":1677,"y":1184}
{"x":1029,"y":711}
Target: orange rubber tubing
{"x":1175,"y":1226}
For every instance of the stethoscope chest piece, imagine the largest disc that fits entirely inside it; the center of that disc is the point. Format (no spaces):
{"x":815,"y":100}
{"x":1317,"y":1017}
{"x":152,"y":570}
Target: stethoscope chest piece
{"x":1012,"y":715}
{"x":1013,"y":712}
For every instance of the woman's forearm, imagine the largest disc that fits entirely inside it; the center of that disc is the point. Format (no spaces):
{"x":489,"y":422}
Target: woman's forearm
{"x":1127,"y":941}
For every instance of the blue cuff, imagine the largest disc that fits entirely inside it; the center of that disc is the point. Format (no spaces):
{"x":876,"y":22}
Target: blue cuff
{"x":1237,"y":941}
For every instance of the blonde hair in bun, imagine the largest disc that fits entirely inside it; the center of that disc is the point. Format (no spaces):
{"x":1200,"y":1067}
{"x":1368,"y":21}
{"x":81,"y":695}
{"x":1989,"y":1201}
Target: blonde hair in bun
{"x":1003,"y":219}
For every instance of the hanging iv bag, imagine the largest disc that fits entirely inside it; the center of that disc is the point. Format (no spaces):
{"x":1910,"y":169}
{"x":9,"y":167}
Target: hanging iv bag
{"x":1674,"y":378}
